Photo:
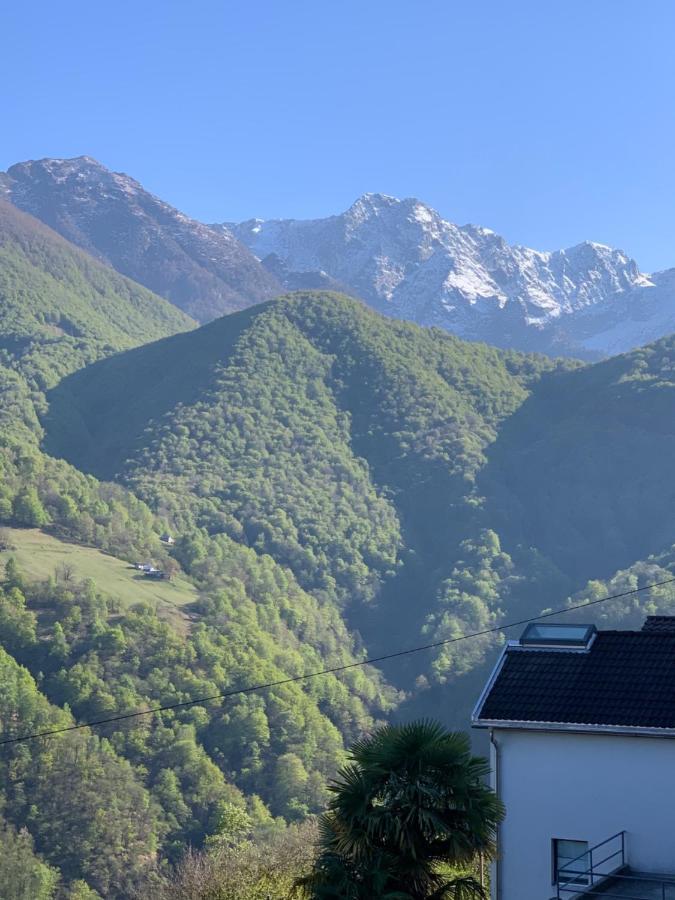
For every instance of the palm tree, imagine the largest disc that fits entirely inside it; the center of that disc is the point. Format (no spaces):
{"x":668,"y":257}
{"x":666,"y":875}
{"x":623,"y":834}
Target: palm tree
{"x":411,"y":805}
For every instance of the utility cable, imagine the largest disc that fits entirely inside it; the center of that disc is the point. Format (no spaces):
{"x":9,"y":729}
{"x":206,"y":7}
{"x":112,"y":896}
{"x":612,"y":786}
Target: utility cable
{"x":332,"y":671}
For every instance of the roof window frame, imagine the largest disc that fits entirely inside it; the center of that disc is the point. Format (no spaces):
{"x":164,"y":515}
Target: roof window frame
{"x":528,"y":640}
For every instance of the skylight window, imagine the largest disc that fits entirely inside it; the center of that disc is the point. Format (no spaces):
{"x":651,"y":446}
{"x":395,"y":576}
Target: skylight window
{"x":554,"y":635}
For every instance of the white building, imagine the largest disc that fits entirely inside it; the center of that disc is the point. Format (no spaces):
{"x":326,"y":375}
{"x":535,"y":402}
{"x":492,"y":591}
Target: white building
{"x":582,"y":732}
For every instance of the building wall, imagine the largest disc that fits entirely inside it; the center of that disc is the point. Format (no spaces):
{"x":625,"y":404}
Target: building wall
{"x":581,"y":787}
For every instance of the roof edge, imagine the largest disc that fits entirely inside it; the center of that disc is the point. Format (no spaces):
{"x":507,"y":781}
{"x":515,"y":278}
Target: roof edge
{"x":572,"y":727}
{"x":475,"y":715}
{"x":516,"y":646}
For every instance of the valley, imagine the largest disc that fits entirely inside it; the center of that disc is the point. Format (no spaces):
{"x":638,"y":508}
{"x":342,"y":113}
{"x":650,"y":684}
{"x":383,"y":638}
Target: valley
{"x":421,"y":485}
{"x":340,"y":483}
{"x":337,"y":427}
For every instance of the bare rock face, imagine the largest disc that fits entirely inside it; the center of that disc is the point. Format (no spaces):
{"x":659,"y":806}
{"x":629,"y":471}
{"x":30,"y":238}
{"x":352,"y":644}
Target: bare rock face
{"x":403,"y":259}
{"x":205,"y":271}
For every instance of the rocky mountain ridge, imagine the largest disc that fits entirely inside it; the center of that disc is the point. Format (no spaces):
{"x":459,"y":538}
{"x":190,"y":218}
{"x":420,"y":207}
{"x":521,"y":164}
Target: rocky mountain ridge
{"x":206,"y":272}
{"x":401,"y":257}
{"x":406,"y":261}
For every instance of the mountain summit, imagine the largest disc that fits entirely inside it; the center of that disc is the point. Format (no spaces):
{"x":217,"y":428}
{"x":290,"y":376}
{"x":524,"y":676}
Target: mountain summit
{"x":405,"y":260}
{"x":204,"y":271}
{"x":399,"y":256}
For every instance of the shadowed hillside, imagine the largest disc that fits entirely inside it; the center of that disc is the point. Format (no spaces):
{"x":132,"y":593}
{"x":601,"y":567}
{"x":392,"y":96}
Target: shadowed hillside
{"x":427,"y":485}
{"x":583,"y":469}
{"x":344,"y":444}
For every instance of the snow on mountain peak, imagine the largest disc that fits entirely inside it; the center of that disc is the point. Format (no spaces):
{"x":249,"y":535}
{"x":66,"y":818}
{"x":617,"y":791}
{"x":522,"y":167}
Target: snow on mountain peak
{"x":73,"y":175}
{"x":403,"y":258}
{"x":369,"y":205}
{"x":398,"y":255}
{"x":375,"y":200}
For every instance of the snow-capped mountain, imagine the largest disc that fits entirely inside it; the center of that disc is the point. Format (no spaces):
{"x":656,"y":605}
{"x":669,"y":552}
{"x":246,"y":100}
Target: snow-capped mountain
{"x":399,"y":256}
{"x":404,"y":259}
{"x":205,"y":271}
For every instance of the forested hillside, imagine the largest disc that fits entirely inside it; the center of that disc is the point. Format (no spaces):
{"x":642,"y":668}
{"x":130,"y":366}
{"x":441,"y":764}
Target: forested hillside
{"x":95,"y":815}
{"x":72,"y":308}
{"x":584,"y":466}
{"x":345,"y":445}
{"x":60,"y":310}
{"x":423,"y":485}
{"x":338,"y":484}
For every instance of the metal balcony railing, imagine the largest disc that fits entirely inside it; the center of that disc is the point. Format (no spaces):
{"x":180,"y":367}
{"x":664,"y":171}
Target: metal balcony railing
{"x":607,"y":875}
{"x":573,"y":878}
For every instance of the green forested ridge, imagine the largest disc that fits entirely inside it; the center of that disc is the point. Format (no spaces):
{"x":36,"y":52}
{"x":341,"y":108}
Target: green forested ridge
{"x":86,"y":653}
{"x":82,"y":804}
{"x":586,"y":463}
{"x":337,"y":483}
{"x":425,"y":485}
{"x":95,"y":658}
{"x":251,"y":624}
{"x":344,"y":444}
{"x":60,"y":309}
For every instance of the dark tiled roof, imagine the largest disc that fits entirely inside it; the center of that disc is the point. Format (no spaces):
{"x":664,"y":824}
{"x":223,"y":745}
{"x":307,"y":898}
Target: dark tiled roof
{"x":627,"y":678}
{"x":659,"y":623}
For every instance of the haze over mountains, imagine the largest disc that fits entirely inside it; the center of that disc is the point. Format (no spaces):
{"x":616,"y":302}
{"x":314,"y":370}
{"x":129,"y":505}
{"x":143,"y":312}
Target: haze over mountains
{"x":398,"y":256}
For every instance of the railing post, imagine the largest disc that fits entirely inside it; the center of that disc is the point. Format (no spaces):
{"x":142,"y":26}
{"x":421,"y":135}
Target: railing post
{"x":590,"y":856}
{"x":663,"y":890}
{"x":623,"y":848}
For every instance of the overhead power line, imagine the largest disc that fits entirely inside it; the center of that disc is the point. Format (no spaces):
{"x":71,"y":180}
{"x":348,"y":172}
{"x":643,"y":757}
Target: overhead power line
{"x":226,"y":695}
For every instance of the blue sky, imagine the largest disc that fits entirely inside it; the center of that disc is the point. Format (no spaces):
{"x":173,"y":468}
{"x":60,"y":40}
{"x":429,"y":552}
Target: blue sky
{"x":549,"y":122}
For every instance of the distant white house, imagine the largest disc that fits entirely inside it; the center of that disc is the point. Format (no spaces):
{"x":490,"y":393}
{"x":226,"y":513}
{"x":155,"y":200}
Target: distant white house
{"x":149,"y":570}
{"x":582,"y":733}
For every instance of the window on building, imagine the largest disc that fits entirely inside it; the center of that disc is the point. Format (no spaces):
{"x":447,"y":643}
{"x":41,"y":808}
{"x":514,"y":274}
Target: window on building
{"x":571,"y":861}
